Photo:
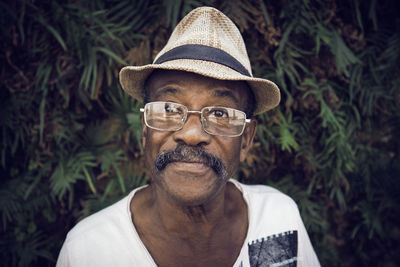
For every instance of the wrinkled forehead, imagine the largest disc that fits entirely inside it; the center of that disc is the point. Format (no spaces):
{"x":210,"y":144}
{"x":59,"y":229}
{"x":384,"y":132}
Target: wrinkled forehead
{"x":161,"y":81}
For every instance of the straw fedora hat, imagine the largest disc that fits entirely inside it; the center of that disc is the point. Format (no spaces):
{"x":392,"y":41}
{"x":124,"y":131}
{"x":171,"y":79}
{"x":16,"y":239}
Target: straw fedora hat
{"x":208,"y":43}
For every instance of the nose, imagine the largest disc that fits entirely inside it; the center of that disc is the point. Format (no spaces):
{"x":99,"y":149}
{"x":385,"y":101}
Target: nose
{"x":192,"y":132}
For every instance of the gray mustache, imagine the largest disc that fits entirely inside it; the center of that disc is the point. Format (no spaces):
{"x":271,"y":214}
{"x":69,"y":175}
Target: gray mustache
{"x":190,"y":154}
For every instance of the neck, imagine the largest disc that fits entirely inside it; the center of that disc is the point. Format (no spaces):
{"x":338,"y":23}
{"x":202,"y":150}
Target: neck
{"x":210,"y":233}
{"x":184,"y":220}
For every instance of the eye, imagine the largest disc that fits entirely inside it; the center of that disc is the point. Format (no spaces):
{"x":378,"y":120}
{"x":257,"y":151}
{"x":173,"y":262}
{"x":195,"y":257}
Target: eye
{"x":218,"y":113}
{"x":172,"y":109}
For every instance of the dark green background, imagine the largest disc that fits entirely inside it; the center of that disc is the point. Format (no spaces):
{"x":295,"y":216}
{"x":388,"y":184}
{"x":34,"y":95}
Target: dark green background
{"x":70,"y":137}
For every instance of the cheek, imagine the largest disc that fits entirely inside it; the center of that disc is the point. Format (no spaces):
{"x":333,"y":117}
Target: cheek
{"x":229,"y":153}
{"x":155,"y":143}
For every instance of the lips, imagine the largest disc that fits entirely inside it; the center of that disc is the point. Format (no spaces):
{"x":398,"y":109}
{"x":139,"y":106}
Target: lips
{"x":194,"y":161}
{"x":190,"y":167}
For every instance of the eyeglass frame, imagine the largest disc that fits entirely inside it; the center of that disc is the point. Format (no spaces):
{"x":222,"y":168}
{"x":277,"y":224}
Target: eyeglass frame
{"x":195,"y":112}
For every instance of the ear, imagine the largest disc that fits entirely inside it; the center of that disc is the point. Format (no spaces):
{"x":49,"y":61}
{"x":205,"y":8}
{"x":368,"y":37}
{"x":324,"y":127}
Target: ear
{"x":247,"y":138}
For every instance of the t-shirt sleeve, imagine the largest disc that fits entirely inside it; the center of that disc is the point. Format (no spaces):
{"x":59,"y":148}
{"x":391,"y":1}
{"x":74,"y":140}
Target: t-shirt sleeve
{"x":63,"y":257}
{"x":306,"y":256}
{"x":277,"y":236}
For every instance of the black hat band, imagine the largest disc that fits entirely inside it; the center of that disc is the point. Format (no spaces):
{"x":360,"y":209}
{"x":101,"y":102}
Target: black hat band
{"x":203,"y":52}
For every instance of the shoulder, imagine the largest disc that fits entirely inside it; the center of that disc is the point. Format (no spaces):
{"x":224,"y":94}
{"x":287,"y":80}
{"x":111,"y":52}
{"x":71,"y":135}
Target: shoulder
{"x":107,"y":224}
{"x":270,"y":211}
{"x":106,"y":238}
{"x":265,"y":195}
{"x":99,"y":238}
{"x":101,"y":220}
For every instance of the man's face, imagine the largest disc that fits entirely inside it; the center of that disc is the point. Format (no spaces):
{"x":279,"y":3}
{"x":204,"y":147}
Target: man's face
{"x":191,"y":166}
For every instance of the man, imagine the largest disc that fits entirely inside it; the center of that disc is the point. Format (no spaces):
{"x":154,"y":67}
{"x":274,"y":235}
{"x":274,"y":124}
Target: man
{"x":199,"y":97}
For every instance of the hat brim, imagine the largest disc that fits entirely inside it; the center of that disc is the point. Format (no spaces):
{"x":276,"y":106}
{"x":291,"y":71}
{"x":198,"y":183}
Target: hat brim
{"x":267,"y":95}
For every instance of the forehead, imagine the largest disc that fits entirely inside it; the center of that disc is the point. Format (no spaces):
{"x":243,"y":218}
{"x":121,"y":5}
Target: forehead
{"x":180,"y":83}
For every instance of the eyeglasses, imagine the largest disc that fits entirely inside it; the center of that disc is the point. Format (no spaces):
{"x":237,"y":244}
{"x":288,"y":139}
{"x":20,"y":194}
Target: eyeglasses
{"x":170,"y":116}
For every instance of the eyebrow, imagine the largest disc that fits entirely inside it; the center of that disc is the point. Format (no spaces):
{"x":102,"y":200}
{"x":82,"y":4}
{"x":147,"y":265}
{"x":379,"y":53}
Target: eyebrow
{"x":226,"y":93}
{"x":222,"y":93}
{"x":166,"y":90}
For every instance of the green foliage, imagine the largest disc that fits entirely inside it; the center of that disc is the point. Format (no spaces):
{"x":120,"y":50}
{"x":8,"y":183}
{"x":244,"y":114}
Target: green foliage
{"x":71,"y":138}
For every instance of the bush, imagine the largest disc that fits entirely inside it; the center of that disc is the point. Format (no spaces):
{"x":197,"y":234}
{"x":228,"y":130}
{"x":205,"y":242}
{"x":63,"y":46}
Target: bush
{"x":71,"y":137}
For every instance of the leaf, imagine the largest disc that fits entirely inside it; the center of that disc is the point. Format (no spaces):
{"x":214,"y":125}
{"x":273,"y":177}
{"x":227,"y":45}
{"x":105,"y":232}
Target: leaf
{"x":111,"y":55}
{"x":53,"y":31}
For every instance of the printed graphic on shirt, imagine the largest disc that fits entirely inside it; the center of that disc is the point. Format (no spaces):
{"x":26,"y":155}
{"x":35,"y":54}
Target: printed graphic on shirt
{"x":275,"y":250}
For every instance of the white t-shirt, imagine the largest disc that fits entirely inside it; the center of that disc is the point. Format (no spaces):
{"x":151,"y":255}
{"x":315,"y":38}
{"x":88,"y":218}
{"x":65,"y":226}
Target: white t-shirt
{"x":276,"y":235}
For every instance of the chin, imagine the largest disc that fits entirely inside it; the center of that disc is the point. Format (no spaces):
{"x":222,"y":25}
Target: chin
{"x":190,"y":190}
